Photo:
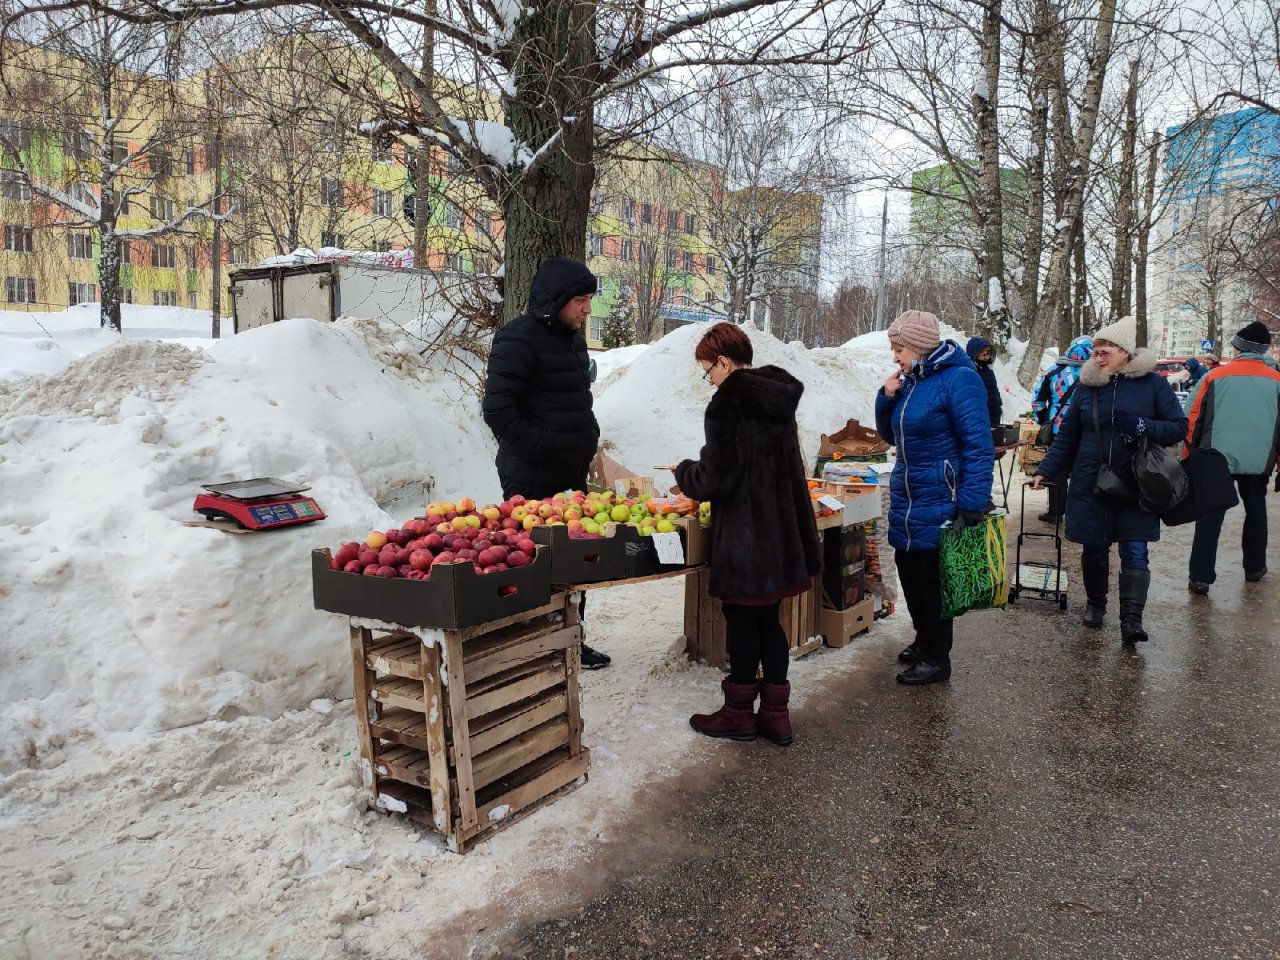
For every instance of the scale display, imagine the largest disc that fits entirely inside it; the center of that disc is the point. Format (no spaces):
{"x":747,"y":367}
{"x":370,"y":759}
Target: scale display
{"x":258,"y":504}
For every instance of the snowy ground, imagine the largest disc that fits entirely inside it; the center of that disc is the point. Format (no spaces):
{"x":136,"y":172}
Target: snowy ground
{"x":176,"y":749}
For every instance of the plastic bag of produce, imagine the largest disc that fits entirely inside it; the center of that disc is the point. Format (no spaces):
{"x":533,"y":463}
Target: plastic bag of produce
{"x":974,"y":567}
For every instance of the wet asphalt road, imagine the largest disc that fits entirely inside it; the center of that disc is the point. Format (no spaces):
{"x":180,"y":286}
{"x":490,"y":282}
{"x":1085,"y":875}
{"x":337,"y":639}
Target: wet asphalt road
{"x":1062,"y":797}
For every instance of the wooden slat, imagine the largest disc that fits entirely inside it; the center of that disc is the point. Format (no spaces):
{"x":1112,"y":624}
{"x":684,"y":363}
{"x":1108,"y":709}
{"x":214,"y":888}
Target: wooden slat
{"x":398,"y":725}
{"x":456,"y":693}
{"x":519,"y":751}
{"x":530,"y":648}
{"x":366,"y":707}
{"x":539,"y":782}
{"x":398,"y":654}
{"x":525,"y":681}
{"x":404,"y":764}
{"x":495,"y":728}
{"x":437,"y":750}
{"x":415,"y":801}
{"x":665,"y":575}
{"x":399,"y":692}
{"x":463,"y":634}
{"x":573,"y":696}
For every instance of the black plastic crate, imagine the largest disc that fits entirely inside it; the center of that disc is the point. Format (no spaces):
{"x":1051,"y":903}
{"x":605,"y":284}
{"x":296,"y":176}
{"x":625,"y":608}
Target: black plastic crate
{"x":588,"y":560}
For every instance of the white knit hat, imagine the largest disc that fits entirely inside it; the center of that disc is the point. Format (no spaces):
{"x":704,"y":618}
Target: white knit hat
{"x":1123,"y":333}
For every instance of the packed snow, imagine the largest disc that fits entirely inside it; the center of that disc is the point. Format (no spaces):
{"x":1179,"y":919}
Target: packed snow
{"x":177,"y":739}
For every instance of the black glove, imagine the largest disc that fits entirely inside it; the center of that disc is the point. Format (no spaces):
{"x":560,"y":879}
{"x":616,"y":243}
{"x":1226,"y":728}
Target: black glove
{"x":1277,"y":483}
{"x":1128,"y":426}
{"x":968,"y":518}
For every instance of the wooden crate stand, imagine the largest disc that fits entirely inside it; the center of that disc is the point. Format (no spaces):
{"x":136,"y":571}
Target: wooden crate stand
{"x":468,"y":730}
{"x":704,"y":627}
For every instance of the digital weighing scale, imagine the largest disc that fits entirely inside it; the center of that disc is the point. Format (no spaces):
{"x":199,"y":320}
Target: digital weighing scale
{"x":259,"y":504}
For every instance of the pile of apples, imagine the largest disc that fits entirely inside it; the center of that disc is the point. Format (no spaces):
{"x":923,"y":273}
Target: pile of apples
{"x":450,"y":533}
{"x":587,"y":515}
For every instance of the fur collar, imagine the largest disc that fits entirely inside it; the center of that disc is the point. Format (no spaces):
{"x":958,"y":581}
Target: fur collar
{"x":1140,"y":364}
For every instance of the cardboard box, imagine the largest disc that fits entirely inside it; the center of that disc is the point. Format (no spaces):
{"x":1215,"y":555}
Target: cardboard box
{"x":640,"y":557}
{"x":853,"y":440}
{"x":605,"y":471}
{"x":697,"y":541}
{"x":588,"y":560}
{"x":455,"y":595}
{"x":841,"y":626}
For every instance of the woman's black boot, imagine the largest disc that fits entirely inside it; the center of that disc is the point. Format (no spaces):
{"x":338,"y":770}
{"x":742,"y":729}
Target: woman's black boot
{"x":1134,"y":584}
{"x":1096,"y":571}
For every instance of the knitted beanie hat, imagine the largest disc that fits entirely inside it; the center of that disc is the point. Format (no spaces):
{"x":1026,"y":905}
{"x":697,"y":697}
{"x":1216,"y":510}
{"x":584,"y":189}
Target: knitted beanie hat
{"x":1255,"y":338}
{"x":916,"y":330}
{"x":1123,"y":333}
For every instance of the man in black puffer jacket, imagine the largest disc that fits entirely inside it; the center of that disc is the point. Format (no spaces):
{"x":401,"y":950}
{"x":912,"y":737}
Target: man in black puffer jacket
{"x":537,"y":395}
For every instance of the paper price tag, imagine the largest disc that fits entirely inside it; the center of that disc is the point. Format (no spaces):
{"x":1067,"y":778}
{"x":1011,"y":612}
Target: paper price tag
{"x":669,"y":547}
{"x":830,"y":502}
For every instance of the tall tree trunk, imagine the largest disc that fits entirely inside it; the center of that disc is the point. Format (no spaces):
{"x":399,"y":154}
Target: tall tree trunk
{"x":994,"y":324}
{"x":422,"y":154}
{"x":216,"y":248}
{"x":1080,"y":162}
{"x":1121,"y":267}
{"x":1033,"y":245}
{"x":1144,"y":241}
{"x":109,"y":272}
{"x":1082,"y":314}
{"x":548,"y":209}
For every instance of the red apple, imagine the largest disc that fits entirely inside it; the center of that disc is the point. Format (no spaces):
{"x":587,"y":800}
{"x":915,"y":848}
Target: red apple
{"x":435,"y":519}
{"x":388,"y":571}
{"x":371,"y":570}
{"x":433,"y":541}
{"x":447,"y":556}
{"x":388,"y":554}
{"x":404,"y":569}
{"x":420,"y":559}
{"x":517,"y":559}
{"x":367,"y":556}
{"x":510,"y":523}
{"x":528,"y":546}
{"x":346,"y":553}
{"x":352,"y":566}
{"x":507,"y":590}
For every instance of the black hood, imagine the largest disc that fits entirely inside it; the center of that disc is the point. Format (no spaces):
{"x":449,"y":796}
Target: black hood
{"x":769,"y":392}
{"x":559,"y":281}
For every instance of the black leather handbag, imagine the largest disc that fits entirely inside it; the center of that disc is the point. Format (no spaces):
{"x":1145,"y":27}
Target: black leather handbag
{"x":1114,"y":486}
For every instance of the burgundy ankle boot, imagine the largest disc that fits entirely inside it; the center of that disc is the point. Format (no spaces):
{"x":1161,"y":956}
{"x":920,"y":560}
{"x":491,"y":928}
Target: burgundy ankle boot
{"x":735,"y":720}
{"x":774,"y":720}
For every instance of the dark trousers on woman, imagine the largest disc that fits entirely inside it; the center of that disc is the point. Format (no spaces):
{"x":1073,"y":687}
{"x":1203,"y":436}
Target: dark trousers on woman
{"x":756,"y":640}
{"x":922,"y":587}
{"x":1204,"y":547}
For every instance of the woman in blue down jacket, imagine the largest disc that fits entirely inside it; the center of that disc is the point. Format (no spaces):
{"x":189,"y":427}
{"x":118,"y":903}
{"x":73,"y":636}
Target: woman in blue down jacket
{"x":934,"y":409}
{"x":1131,"y":400}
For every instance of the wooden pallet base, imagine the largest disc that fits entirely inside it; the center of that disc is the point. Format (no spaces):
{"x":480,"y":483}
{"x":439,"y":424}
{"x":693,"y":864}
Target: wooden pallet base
{"x":468,"y":730}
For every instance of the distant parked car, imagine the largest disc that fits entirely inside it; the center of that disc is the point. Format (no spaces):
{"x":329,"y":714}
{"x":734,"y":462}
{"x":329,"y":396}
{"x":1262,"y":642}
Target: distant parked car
{"x":1171,"y":365}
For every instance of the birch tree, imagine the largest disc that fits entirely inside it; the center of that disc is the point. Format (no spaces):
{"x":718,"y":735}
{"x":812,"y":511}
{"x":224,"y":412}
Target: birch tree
{"x":97,"y":127}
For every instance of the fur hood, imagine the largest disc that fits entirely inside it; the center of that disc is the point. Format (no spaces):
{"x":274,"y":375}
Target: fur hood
{"x":1140,"y":364}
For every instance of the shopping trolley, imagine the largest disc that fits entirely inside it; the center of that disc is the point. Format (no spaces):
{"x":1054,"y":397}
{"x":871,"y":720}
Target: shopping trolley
{"x":1038,"y":579}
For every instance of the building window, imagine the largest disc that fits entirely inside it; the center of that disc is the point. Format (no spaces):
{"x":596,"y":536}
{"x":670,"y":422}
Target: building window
{"x":629,"y":211}
{"x":597,"y":203}
{"x":189,"y":161}
{"x":711,"y":266}
{"x":331,"y":239}
{"x":118,"y":152}
{"x":687,"y":258}
{"x":126,"y":294}
{"x":671,"y":258}
{"x":626,"y":252}
{"x":161,"y":164}
{"x":234,"y":203}
{"x":673,"y":220}
{"x":162,"y":209}
{"x":384,"y":203}
{"x":164,"y":298}
{"x":382,"y":150}
{"x":380,"y":246}
{"x":192,"y":302}
{"x":14,"y":136}
{"x":484,"y":223}
{"x":17,"y":239}
{"x":20,"y":289}
{"x":482,"y":263}
{"x":80,"y":246}
{"x":330,"y":192}
{"x":164,"y":255}
{"x":646,"y":213}
{"x":239,"y":253}
{"x":81,"y":293}
{"x":594,"y":324}
{"x":14,"y":185}
{"x":453,"y":216}
{"x":457,"y":263}
{"x":689,"y":223}
{"x":78,"y":144}
{"x":647,"y":252}
{"x":126,"y":252}
{"x":83,"y":193}
{"x":713,"y":229}
{"x":596,"y":245}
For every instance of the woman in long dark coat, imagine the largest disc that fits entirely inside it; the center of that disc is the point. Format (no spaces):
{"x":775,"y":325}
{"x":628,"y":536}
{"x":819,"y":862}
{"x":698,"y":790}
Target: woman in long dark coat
{"x":1118,"y":383}
{"x":764,"y":542}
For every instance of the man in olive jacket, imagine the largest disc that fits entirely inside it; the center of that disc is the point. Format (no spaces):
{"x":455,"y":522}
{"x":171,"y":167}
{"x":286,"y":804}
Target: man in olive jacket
{"x":537,"y":395}
{"x":1235,"y":410}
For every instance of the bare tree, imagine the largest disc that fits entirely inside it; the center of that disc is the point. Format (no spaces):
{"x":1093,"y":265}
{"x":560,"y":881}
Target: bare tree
{"x":98,"y":91}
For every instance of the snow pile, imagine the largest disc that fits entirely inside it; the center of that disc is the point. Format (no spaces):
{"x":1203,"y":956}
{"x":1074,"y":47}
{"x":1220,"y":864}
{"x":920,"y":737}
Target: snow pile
{"x":120,"y":616}
{"x":45,"y":343}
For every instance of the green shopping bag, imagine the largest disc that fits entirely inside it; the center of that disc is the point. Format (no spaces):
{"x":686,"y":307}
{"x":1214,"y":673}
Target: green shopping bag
{"x":974,"y":567}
